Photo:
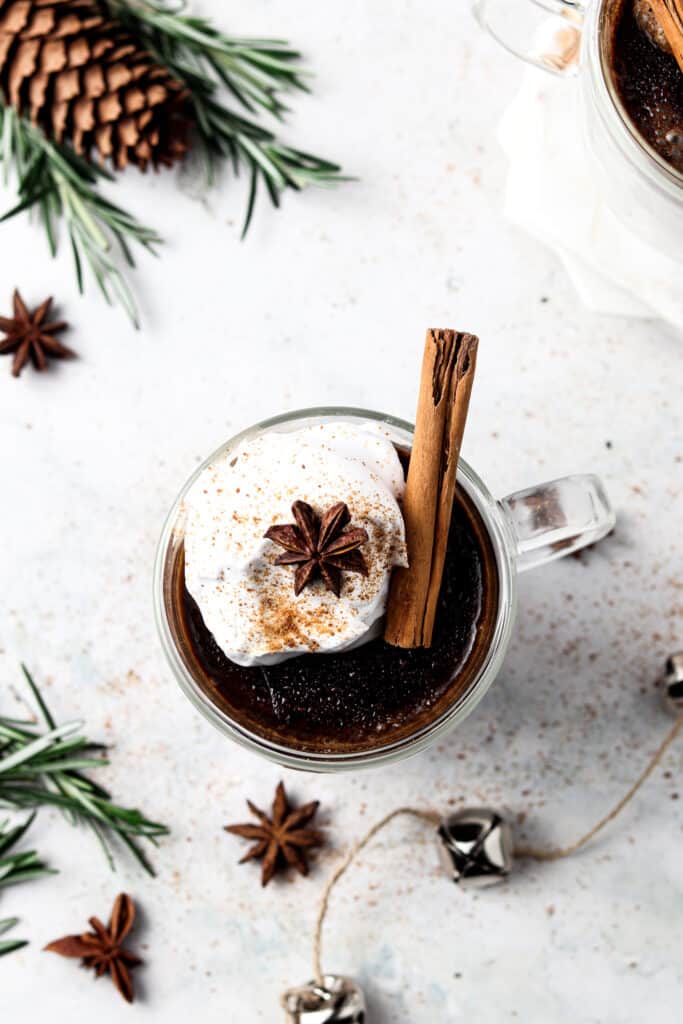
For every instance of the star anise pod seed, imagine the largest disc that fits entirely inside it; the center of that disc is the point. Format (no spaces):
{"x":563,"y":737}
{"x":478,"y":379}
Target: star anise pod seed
{"x":320,"y":546}
{"x":101,"y":948}
{"x":30,"y":336}
{"x":282,"y":839}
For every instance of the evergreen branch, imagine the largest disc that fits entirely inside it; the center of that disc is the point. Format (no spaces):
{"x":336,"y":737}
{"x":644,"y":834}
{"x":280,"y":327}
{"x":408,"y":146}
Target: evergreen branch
{"x":40,"y":769}
{"x":255,"y":72}
{"x":59,"y":184}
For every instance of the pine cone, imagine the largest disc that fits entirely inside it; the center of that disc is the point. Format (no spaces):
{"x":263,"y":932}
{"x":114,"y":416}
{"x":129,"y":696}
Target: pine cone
{"x":85,"y":79}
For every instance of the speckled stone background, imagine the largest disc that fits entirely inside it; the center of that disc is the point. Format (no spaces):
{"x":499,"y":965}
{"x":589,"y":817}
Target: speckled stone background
{"x":327,"y":302}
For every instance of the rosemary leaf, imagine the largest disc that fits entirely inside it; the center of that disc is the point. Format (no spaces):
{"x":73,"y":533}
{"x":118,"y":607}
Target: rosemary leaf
{"x":18,"y":867}
{"x":61,"y":185}
{"x":9,"y":945}
{"x":39,"y":769}
{"x":253,"y":72}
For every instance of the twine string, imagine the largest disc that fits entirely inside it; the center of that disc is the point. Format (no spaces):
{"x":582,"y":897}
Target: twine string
{"x":432,"y":817}
{"x":559,"y":852}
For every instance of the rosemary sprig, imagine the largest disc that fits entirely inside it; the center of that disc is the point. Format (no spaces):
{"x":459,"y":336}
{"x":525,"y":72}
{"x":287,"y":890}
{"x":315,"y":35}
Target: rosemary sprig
{"x":9,"y":945}
{"x":53,"y":179}
{"x":40,"y":769}
{"x":14,"y":868}
{"x":19,"y":867}
{"x":254,"y":72}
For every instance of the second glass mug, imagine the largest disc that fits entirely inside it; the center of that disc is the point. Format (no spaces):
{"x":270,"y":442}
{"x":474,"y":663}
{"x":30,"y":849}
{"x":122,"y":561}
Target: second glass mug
{"x":642,"y":189}
{"x":526,"y":529}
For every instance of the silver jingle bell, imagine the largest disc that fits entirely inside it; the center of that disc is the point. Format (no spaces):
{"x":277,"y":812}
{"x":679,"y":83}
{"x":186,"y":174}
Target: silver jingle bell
{"x":338,"y":1001}
{"x":672,"y":683}
{"x":475,"y":847}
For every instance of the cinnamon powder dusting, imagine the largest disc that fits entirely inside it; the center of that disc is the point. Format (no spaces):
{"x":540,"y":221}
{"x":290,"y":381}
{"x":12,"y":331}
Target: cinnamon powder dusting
{"x":288,"y":626}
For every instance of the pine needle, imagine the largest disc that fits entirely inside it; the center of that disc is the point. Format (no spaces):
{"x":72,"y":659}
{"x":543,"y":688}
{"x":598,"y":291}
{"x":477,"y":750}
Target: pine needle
{"x":45,"y":769}
{"x":254,"y":73}
{"x":9,"y":945}
{"x":15,"y":868}
{"x":60,"y":185}
{"x":18,"y":867}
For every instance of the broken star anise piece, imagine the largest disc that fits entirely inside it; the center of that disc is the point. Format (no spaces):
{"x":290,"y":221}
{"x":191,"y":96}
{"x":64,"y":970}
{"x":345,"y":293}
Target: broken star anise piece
{"x":101,"y":948}
{"x":31,"y":336}
{"x":320,"y":546}
{"x":282,"y":839}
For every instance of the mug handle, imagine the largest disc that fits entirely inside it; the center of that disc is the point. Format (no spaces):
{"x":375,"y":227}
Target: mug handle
{"x":557,"y":518}
{"x":498,"y":26}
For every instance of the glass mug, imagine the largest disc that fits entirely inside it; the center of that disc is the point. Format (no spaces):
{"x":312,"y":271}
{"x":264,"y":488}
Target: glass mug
{"x":526,"y":529}
{"x":642,"y":189}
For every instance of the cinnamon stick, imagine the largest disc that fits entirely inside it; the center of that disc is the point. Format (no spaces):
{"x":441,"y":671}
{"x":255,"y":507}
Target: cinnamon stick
{"x":669,"y":14}
{"x":446,"y":383}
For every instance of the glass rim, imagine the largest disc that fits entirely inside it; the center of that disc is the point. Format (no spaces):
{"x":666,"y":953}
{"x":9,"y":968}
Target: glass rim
{"x":489,"y":511}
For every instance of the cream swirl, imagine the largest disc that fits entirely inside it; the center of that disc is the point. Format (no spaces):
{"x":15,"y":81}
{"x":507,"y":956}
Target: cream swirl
{"x":246,"y":600}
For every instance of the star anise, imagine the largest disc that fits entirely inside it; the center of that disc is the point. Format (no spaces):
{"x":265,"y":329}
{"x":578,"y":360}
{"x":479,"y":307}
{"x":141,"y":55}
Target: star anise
{"x":30,"y":335}
{"x":320,"y":546}
{"x":101,"y":948}
{"x":282,"y":839}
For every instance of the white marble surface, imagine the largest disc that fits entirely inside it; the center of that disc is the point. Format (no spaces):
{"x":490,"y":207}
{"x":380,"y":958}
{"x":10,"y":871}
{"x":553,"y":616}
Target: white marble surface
{"x":327,"y":302}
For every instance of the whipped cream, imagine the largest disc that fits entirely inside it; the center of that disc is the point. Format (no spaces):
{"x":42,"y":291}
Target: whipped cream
{"x":247,"y":602}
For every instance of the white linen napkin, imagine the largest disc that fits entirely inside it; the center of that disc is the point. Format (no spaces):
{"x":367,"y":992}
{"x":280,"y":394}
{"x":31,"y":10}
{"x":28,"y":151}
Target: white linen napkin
{"x":551,"y":194}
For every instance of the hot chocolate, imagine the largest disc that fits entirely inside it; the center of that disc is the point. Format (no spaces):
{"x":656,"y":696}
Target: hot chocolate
{"x":359,"y":699}
{"x":334,"y":593}
{"x":647,"y":78}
